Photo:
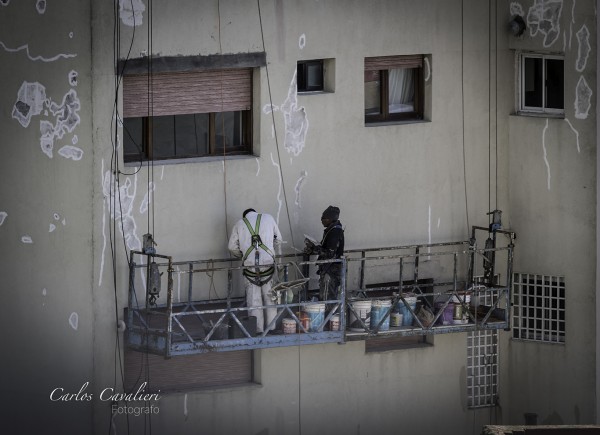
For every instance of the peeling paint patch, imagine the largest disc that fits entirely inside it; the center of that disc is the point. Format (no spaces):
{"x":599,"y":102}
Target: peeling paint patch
{"x":74,"y":320}
{"x":545,"y":152}
{"x":279,"y":201}
{"x":44,"y":292}
{"x":103,"y":227}
{"x":439,"y":222}
{"x":4,"y":2}
{"x":40,"y":6}
{"x":3,"y":216}
{"x":126,"y":195}
{"x":544,"y":17}
{"x":516,"y":9}
{"x":257,"y":166}
{"x":298,"y":187}
{"x":64,"y":222}
{"x":162,"y":171}
{"x":36,"y":58}
{"x":268,"y":108}
{"x":302,"y":41}
{"x":56,"y":217}
{"x":70,"y":152}
{"x":26,"y":239}
{"x":427,"y":69}
{"x":71,"y":35}
{"x":75,"y":139}
{"x":296,"y":121}
{"x":31,"y":98}
{"x":576,"y":134}
{"x":147,"y":198}
{"x":131,"y":12}
{"x":583,"y":97}
{"x":583,"y":52}
{"x":185,"y":407}
{"x":73,"y":77}
{"x":51,"y":228}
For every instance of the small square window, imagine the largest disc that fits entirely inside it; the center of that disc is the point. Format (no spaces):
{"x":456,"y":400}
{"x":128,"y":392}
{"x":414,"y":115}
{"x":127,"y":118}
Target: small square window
{"x":394,"y":88}
{"x":542,"y":83}
{"x":310,"y":76}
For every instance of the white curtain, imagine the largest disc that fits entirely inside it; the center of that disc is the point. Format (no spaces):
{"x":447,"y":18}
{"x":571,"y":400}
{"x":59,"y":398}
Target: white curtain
{"x":402,"y":90}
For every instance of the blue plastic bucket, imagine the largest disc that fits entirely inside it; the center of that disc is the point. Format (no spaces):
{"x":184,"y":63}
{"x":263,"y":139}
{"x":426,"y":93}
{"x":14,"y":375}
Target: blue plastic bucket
{"x":316,"y":316}
{"x":407,"y":316}
{"x":379,"y":309}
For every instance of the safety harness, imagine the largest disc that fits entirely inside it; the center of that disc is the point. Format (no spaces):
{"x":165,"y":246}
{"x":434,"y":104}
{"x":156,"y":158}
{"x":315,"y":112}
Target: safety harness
{"x":259,"y":275}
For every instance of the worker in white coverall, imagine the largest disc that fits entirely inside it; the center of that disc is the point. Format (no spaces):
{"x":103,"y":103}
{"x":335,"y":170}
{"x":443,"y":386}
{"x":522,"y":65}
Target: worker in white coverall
{"x":253,"y":239}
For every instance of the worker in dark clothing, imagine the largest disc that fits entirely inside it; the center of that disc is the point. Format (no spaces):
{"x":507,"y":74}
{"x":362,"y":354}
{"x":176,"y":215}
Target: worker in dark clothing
{"x":331,"y":246}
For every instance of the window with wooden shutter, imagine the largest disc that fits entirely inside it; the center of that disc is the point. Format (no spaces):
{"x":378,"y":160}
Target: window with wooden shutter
{"x":186,"y":114}
{"x":187,"y":372}
{"x":394,"y":88}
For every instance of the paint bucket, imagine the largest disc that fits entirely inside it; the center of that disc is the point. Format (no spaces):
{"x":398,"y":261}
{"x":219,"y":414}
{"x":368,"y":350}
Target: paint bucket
{"x":460,"y":315}
{"x":304,"y":320}
{"x":407,"y":316}
{"x":396,"y":320}
{"x":316,"y":316}
{"x":334,"y":323}
{"x":379,"y":309}
{"x":363,"y":310}
{"x":288,"y":325}
{"x":446,"y":318}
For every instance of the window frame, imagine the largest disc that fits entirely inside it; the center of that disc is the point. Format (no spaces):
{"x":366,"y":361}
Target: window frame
{"x":146,"y":149}
{"x":418,"y":114}
{"x":301,"y":79}
{"x":536,"y":109}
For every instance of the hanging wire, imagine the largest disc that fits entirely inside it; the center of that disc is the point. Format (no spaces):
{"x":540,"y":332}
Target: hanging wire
{"x":222,"y":120}
{"x":462,"y":90}
{"x":262,"y":35}
{"x":489,"y":111}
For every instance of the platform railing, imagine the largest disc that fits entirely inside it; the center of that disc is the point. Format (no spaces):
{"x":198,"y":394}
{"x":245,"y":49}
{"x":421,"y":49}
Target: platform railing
{"x":213,"y":315}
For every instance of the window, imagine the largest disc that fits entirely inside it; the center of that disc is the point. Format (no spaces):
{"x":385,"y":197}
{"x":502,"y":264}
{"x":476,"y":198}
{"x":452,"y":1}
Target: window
{"x":187,"y":372}
{"x":394,"y":88}
{"x":310,"y":75}
{"x":539,"y":308}
{"x":542,"y":83}
{"x":193,"y":114}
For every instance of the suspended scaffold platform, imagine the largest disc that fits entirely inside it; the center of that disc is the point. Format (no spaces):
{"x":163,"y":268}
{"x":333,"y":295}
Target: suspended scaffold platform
{"x":436,"y":288}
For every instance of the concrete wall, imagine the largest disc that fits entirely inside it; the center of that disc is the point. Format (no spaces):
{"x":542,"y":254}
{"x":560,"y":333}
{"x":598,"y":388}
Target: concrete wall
{"x":46,"y":230}
{"x":395,"y":184}
{"x":552,"y":186}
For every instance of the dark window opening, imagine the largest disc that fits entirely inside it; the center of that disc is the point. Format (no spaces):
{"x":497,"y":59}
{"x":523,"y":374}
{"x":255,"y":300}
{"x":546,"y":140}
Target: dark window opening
{"x":310,"y":76}
{"x":542,"y":81}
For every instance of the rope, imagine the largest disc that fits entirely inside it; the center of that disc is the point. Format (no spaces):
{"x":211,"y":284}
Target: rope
{"x":462,"y":90}
{"x":222,"y":121}
{"x":262,"y":35}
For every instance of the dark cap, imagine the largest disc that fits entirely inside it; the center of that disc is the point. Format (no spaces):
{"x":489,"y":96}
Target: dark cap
{"x":332,"y":213}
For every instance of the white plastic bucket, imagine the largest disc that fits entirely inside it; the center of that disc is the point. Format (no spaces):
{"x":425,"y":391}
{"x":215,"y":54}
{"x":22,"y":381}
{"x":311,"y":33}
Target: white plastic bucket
{"x":363,"y":310}
{"x":460,"y":315}
{"x":316,"y":316}
{"x":334,"y":323}
{"x":407,"y":316}
{"x":379,"y":309}
{"x":288,"y":325}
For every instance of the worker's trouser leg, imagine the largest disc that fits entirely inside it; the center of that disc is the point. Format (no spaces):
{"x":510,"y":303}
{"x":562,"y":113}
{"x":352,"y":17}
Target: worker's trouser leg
{"x":257,"y":296}
{"x":329,"y":285}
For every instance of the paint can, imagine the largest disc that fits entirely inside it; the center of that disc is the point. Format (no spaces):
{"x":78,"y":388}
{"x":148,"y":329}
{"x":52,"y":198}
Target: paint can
{"x":363,"y":311}
{"x":304,"y":320}
{"x":407,"y":316}
{"x":379,"y":309}
{"x":460,"y":315}
{"x":316,"y":316}
{"x":396,"y":320}
{"x":288,"y":325}
{"x":334,"y":323}
{"x":446,"y":318}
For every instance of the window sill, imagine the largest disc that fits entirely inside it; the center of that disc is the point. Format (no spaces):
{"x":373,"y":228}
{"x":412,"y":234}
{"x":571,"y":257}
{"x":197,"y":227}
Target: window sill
{"x":539,"y":114}
{"x":205,"y":159}
{"x":314,"y":92}
{"x":398,"y":122}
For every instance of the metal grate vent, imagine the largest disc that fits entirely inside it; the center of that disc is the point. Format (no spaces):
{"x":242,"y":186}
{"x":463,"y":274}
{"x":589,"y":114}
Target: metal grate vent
{"x":539,"y":308}
{"x":482,"y":368}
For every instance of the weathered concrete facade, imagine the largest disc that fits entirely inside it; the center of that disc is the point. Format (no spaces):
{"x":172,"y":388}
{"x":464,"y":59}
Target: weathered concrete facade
{"x":395,"y":184}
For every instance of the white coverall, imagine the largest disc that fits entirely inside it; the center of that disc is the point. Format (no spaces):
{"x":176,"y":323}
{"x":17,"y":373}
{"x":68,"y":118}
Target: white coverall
{"x":239,"y":242}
